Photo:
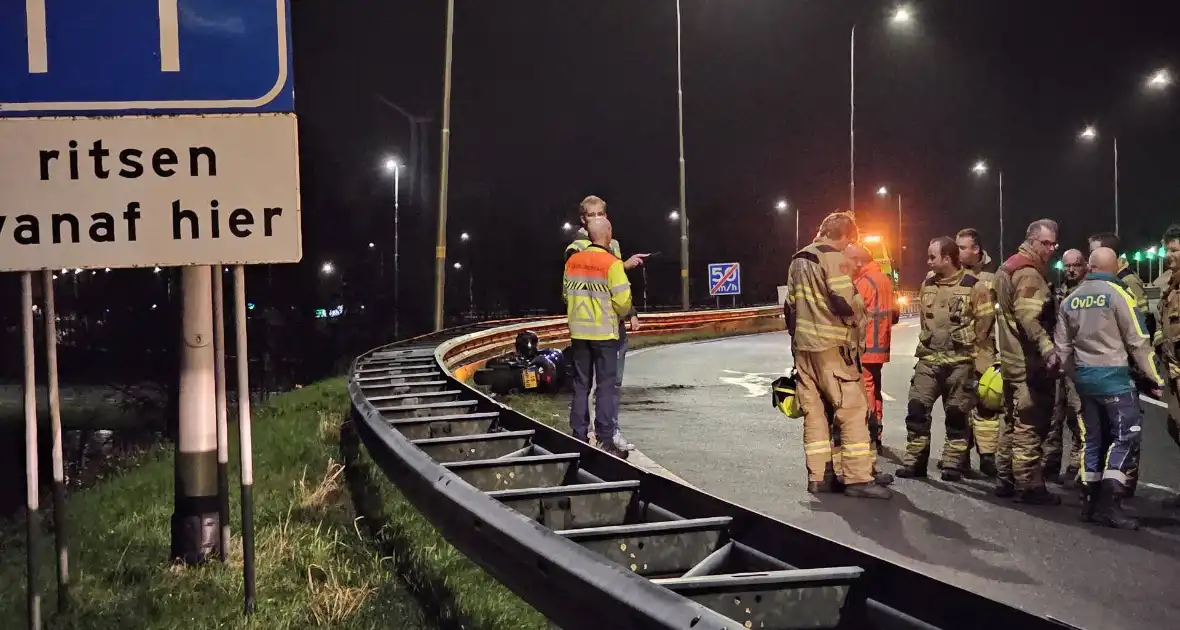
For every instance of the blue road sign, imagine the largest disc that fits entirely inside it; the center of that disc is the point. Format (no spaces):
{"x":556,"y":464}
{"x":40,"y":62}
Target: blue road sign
{"x":725,"y":279}
{"x":144,"y":57}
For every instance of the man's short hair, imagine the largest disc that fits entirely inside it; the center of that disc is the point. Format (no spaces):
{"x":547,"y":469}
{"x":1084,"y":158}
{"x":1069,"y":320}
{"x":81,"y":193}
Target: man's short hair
{"x":591,"y":201}
{"x":947,"y":247}
{"x":1106,"y":239}
{"x":972,"y":234}
{"x":839,"y":225}
{"x":1035,"y":228}
{"x":1172,"y":233}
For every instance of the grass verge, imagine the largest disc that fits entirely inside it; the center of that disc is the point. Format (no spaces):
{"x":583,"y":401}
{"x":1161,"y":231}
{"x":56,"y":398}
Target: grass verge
{"x":313,"y":566}
{"x":456,"y":591}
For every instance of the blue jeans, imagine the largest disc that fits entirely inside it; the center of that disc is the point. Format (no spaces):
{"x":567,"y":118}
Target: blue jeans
{"x":595,"y":362}
{"x":1110,"y":434}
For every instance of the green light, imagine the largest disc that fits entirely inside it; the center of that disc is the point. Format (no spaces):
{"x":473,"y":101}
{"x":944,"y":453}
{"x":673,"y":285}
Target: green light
{"x":1137,"y":257}
{"x":1151,"y":254}
{"x":1059,"y":265}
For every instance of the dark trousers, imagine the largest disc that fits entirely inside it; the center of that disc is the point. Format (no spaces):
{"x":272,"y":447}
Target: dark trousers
{"x":595,"y":363}
{"x":1110,"y":432}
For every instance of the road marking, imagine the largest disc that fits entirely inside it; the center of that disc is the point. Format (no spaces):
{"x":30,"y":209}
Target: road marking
{"x":887,"y":397}
{"x":37,"y":39}
{"x":756,"y":383}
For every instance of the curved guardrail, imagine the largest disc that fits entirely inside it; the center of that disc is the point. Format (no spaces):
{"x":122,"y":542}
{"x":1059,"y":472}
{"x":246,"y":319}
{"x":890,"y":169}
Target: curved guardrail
{"x":593,"y":542}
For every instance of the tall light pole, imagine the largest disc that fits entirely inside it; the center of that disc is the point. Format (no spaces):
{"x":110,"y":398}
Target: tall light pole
{"x":980,"y":169}
{"x":393,"y":166}
{"x":440,"y":243}
{"x":903,"y":15}
{"x":883,"y":192}
{"x":782,"y":206}
{"x":1090,"y":134}
{"x":684,"y":285}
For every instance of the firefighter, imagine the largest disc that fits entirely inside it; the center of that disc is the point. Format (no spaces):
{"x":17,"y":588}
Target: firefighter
{"x":985,"y":422}
{"x":876,"y":292}
{"x":1099,"y":326}
{"x":1028,"y":364}
{"x":597,"y":296}
{"x":821,"y":299}
{"x":1067,"y":406}
{"x":954,"y":349}
{"x":1136,"y":289}
{"x":594,"y":207}
{"x":1167,"y":333}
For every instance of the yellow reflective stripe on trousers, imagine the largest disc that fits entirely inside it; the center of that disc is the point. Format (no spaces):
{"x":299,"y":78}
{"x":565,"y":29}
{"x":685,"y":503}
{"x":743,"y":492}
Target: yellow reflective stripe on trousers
{"x":857,"y":449}
{"x":817,"y":448}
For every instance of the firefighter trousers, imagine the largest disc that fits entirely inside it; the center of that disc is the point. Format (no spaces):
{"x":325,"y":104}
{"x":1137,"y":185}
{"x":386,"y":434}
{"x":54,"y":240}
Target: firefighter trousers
{"x":832,"y":376}
{"x":930,"y":382}
{"x":985,"y":429}
{"x":1172,"y":398}
{"x":871,"y":374}
{"x":1067,"y":407}
{"x":1028,"y":407}
{"x":1110,"y":428}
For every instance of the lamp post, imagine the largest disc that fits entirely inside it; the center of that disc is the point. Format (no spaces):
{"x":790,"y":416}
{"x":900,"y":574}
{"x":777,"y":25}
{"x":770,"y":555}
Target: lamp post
{"x":440,"y":246}
{"x":980,"y":169}
{"x":684,"y":285}
{"x":395,"y":167}
{"x":883,"y":192}
{"x":1090,"y":134}
{"x":782,"y":206}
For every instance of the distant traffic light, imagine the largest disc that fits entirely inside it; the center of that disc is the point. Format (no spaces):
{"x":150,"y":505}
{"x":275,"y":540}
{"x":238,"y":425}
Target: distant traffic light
{"x":1137,"y":257}
{"x":1059,"y":265}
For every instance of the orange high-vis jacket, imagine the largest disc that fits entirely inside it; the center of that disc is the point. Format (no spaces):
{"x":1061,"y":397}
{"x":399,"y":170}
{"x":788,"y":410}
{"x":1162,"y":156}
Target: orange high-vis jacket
{"x":876,"y":289}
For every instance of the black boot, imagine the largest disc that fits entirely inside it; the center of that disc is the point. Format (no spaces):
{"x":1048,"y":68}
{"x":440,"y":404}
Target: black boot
{"x":1004,"y":488}
{"x":1089,"y":495}
{"x":1109,"y":508}
{"x":1037,"y":496}
{"x":1052,"y":474}
{"x":917,"y":471}
{"x":882,"y":479}
{"x":1071,"y":474}
{"x":951,"y":474}
{"x":987,"y":466}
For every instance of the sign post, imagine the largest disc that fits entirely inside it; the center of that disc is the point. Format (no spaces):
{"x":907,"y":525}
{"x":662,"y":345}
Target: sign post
{"x":725,"y":279}
{"x":144,"y":134}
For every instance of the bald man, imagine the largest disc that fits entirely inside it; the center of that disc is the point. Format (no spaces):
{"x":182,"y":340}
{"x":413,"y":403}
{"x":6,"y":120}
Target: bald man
{"x":1067,"y":405}
{"x":1098,"y":327}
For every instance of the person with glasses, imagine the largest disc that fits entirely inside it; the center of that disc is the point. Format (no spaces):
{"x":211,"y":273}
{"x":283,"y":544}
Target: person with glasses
{"x":1028,"y":363}
{"x":1067,"y":406}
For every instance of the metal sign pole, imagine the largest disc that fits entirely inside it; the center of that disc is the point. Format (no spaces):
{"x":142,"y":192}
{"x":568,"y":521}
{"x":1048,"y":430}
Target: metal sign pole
{"x":245,"y":445}
{"x":222,"y":421}
{"x":33,"y":521}
{"x":60,"y":521}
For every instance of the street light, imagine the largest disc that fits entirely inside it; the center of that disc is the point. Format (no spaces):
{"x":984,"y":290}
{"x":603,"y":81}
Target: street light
{"x":566,"y":227}
{"x":1159,"y":79}
{"x":327,"y":269}
{"x":464,"y":237}
{"x":684,"y":287}
{"x":902,"y":15}
{"x":440,"y":244}
{"x":980,"y":169}
{"x":782,"y":206}
{"x":673,"y":216}
{"x":882,"y":191}
{"x":457,"y":266}
{"x":1090,"y":134}
{"x":395,"y":167}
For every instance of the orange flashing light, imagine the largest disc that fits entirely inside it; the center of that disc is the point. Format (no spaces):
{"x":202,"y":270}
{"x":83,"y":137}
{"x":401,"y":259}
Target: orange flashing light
{"x":872,"y":238}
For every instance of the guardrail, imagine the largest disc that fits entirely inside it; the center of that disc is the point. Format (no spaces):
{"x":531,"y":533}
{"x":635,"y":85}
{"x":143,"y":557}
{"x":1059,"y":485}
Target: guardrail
{"x":593,"y":542}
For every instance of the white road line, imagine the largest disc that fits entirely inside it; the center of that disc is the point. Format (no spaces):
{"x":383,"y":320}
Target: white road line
{"x":35,"y":34}
{"x":887,"y":397}
{"x":169,"y":36}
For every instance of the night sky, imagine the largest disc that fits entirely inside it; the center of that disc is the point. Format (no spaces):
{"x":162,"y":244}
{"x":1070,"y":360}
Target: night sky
{"x":557,"y":99}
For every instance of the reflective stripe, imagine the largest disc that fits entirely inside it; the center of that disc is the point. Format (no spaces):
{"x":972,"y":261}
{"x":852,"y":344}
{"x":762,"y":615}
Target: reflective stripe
{"x":1091,"y":477}
{"x":1116,"y":475}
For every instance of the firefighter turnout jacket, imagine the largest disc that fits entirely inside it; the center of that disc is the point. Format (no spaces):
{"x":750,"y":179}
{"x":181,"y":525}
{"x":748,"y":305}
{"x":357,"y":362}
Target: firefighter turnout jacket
{"x":1167,"y":318}
{"x":957,"y":321}
{"x":988,"y":278}
{"x":1026,"y":316}
{"x":821,"y":300}
{"x":1098,"y":327}
{"x":1133,"y":285}
{"x":876,"y":291}
{"x":596,"y":294}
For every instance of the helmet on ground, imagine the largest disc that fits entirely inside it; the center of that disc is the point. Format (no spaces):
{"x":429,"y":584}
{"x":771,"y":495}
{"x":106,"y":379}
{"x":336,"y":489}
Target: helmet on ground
{"x":782,"y":396}
{"x":991,"y":389}
{"x":527,"y":345}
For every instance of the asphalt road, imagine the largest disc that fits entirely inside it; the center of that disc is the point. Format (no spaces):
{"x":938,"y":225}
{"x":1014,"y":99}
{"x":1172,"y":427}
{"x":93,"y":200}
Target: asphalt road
{"x":703,"y":411}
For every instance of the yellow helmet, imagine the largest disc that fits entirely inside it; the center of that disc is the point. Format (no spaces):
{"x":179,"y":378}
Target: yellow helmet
{"x":782,"y":396}
{"x":991,"y":389}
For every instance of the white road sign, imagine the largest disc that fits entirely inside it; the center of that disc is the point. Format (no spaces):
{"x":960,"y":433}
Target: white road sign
{"x":143,"y":191}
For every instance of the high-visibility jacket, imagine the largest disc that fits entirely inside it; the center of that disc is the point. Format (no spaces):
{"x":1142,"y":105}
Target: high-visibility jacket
{"x":583,"y":241}
{"x":876,"y":289}
{"x":596,"y":294}
{"x":821,"y":299}
{"x":1026,"y":316}
{"x":1099,"y":326}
